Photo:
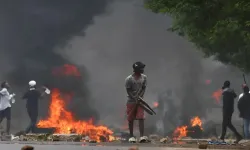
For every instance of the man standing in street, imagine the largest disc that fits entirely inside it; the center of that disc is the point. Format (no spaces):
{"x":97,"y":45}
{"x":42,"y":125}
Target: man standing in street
{"x":32,"y":96}
{"x":228,"y":108}
{"x":5,"y":106}
{"x":135,"y":86}
{"x":244,"y":109}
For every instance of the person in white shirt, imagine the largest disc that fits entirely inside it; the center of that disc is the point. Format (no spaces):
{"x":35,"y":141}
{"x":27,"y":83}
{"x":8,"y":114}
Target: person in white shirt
{"x":5,"y":106}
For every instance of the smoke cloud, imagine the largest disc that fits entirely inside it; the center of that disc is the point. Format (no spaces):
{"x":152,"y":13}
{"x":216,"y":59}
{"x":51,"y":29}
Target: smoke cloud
{"x":40,"y":35}
{"x":32,"y":33}
{"x":131,"y":33}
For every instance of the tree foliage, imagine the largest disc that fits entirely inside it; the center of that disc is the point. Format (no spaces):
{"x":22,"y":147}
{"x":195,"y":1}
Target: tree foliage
{"x":219,"y":28}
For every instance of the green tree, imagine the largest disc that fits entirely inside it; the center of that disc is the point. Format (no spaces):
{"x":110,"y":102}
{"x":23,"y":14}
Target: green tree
{"x":220,"y":28}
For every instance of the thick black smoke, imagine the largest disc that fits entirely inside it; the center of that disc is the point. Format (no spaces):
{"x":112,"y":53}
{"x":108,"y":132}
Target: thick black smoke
{"x":191,"y":89}
{"x":131,"y":33}
{"x":32,"y":31}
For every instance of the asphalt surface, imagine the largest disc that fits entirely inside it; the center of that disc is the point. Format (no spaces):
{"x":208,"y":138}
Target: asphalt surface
{"x":17,"y":145}
{"x":82,"y":147}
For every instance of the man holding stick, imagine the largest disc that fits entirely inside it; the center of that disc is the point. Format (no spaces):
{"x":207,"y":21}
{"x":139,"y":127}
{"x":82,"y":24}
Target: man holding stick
{"x":135,"y":86}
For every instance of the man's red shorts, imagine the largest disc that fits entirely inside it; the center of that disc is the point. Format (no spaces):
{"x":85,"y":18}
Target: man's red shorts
{"x":139,"y":114}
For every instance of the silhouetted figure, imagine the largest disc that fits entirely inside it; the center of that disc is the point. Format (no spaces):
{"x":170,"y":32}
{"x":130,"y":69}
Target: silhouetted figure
{"x":244,"y":109}
{"x":32,"y":96}
{"x":228,"y":108}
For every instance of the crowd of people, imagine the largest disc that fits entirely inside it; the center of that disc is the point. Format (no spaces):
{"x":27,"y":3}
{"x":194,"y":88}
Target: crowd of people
{"x":31,"y":96}
{"x":228,"y":109}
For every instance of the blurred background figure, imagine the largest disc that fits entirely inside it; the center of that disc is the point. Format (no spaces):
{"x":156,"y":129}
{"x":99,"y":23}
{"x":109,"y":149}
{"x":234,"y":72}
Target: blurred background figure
{"x":166,"y":112}
{"x":244,"y":109}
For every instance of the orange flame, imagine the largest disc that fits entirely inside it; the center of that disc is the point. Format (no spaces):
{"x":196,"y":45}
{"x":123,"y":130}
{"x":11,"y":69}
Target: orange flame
{"x":180,"y":132}
{"x":64,"y":122}
{"x":217,"y":95}
{"x":196,"y":121}
{"x":67,"y":70}
{"x":156,"y":104}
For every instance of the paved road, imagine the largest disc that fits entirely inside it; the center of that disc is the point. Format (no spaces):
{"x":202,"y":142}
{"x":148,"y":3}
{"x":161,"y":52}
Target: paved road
{"x":82,"y":147}
{"x":17,"y":145}
{"x":76,"y":147}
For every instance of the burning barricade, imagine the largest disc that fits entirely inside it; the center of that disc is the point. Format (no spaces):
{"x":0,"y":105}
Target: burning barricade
{"x":193,"y":130}
{"x":62,"y":126}
{"x":64,"y":122}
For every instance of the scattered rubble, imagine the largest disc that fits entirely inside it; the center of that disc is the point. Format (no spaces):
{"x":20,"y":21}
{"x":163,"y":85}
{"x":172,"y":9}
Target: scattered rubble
{"x":44,"y":137}
{"x":166,"y":140}
{"x":154,"y":137}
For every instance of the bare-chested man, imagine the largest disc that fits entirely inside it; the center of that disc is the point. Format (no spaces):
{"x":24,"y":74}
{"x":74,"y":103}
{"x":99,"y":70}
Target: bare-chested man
{"x":136,"y":86}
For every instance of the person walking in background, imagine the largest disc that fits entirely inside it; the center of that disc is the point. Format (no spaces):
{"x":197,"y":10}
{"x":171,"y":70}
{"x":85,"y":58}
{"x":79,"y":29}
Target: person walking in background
{"x":244,"y":109}
{"x":5,"y":106}
{"x":228,"y":108}
{"x":243,"y":91}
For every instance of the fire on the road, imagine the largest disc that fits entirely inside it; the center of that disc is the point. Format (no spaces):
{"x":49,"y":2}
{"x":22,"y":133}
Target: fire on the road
{"x":63,"y":120}
{"x":217,"y":95}
{"x":182,"y":131}
{"x":196,"y":121}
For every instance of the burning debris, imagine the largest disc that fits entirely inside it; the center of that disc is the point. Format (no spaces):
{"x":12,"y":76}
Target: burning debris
{"x":64,"y":122}
{"x":66,"y":70}
{"x":180,"y":132}
{"x":196,"y":121}
{"x":217,"y":95}
{"x":184,"y":131}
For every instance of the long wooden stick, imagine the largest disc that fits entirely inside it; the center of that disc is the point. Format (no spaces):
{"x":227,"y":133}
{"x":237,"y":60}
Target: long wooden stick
{"x":146,"y":104}
{"x":244,"y":78}
{"x":146,"y":109}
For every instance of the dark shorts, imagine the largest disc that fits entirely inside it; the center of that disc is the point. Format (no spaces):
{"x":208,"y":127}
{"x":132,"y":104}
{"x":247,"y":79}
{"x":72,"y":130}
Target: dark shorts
{"x":6,"y":113}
